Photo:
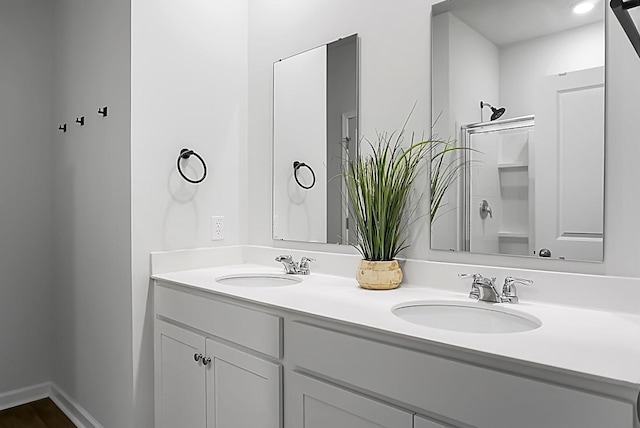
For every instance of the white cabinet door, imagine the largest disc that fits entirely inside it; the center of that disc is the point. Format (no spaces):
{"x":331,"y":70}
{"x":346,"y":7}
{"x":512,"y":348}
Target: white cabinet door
{"x":421,"y":422}
{"x":320,"y":405}
{"x":180,"y":389}
{"x":243,"y":390}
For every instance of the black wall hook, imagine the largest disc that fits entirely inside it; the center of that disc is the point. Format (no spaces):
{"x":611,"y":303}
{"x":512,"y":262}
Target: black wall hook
{"x":63,"y":127}
{"x":80,"y":120}
{"x":103,"y":111}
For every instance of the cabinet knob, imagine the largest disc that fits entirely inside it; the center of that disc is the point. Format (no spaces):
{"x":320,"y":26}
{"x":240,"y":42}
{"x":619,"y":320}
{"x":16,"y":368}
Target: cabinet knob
{"x":197,"y":357}
{"x":206,"y":360}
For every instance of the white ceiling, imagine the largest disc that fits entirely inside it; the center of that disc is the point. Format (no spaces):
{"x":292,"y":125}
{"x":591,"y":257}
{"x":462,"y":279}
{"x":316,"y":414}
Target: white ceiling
{"x":504,"y":22}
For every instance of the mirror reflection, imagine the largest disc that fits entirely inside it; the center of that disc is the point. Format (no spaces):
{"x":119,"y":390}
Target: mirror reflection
{"x":521,"y":84}
{"x":315,"y":132}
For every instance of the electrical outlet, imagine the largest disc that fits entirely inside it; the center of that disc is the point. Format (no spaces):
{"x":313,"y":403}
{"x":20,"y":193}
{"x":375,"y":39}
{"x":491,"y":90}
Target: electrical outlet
{"x":217,"y":228}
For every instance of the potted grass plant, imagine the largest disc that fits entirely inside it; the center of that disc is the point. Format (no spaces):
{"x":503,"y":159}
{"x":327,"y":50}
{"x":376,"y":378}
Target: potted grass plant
{"x":379,"y":187}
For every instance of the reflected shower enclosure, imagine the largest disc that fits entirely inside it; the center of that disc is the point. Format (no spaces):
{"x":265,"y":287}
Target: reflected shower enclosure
{"x":498,"y":200}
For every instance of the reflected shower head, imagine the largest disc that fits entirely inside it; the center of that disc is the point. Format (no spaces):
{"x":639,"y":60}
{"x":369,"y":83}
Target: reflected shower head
{"x":496,"y":112}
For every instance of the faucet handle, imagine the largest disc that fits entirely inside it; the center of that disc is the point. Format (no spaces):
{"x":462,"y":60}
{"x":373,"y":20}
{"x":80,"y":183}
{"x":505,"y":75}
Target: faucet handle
{"x":475,"y":276}
{"x":304,"y":265}
{"x":284,"y":258}
{"x":475,"y":291}
{"x":509,"y":292}
{"x":511,"y":281}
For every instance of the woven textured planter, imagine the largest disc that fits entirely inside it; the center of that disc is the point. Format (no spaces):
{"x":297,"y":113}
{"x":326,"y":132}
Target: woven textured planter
{"x":385,"y":275}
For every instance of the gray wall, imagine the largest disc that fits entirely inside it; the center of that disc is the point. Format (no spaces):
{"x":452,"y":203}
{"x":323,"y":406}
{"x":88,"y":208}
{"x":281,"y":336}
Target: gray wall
{"x":92,"y":209}
{"x":189,"y":89}
{"x":26,"y":132}
{"x":341,"y":98}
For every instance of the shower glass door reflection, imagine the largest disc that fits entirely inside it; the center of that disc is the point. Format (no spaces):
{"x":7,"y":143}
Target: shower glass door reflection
{"x":499,"y":200}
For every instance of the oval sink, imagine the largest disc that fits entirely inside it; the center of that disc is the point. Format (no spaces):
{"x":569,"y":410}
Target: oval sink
{"x":472,"y":317}
{"x":258,"y":280}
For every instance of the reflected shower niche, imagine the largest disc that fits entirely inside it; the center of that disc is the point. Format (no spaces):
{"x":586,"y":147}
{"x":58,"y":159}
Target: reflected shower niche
{"x":525,"y":95}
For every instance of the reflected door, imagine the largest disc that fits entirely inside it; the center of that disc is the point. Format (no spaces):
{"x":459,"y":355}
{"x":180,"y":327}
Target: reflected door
{"x":569,"y":169}
{"x":349,"y":154}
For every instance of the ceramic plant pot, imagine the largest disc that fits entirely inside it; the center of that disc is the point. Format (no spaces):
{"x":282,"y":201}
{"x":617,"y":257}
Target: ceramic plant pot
{"x":379,"y":275}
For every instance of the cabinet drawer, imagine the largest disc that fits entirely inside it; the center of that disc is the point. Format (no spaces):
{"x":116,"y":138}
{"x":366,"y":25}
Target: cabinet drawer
{"x":251,"y":328}
{"x":473,"y":395}
{"x":318,"y":404}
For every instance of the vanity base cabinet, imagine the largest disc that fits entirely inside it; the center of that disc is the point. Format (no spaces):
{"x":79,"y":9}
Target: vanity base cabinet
{"x":222,"y":363}
{"x":460,"y":393}
{"x":180,"y":387}
{"x":243,"y":391}
{"x":201,"y":383}
{"x":316,"y":404}
{"x":216,"y":362}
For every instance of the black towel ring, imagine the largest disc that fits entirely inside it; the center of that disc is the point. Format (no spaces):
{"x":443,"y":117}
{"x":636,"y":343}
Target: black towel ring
{"x":296,"y":166}
{"x":186,"y":154}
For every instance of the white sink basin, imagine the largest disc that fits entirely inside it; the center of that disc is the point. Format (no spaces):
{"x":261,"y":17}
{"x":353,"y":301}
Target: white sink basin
{"x":471,"y":317}
{"x":258,"y":280}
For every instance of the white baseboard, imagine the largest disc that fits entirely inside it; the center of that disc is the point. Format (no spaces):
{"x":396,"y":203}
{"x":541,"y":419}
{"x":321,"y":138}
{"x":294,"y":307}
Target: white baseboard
{"x":78,"y":415}
{"x":74,"y":411}
{"x":24,"y":395}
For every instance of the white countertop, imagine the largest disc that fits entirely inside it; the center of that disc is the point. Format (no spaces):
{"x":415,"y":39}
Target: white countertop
{"x":595,"y":343}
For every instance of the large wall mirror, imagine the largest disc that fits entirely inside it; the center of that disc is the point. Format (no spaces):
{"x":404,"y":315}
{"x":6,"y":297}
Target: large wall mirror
{"x":520,"y":85}
{"x":315,"y":131}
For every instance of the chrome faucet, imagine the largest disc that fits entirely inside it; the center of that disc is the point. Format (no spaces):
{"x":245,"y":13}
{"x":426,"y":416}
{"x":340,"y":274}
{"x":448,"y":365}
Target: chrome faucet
{"x":484,"y":289}
{"x":488,"y":292}
{"x":475,"y":289}
{"x":293,"y":268}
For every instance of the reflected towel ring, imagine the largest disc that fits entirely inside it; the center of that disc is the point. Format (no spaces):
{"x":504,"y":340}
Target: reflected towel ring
{"x":186,"y":154}
{"x":296,"y":166}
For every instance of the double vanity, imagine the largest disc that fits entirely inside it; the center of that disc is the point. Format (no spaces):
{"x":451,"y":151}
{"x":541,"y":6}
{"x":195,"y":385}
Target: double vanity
{"x":238,"y":343}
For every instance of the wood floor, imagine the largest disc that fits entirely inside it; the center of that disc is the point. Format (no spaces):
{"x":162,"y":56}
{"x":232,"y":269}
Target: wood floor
{"x":37,"y":414}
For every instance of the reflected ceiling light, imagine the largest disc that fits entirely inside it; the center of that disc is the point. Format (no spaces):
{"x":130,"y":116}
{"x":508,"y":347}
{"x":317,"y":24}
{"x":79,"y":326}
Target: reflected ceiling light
{"x":583,"y":7}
